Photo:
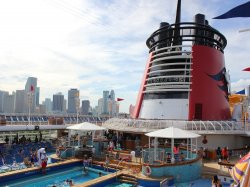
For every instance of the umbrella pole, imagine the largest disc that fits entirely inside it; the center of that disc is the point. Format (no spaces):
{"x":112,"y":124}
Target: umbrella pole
{"x":93,"y":135}
{"x":69,"y":135}
{"x":172,"y":152}
{"x":155,"y":147}
{"x":196,"y":146}
{"x":78,"y":140}
{"x":191,"y":147}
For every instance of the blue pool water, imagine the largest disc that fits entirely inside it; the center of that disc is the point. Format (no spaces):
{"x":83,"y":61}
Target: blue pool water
{"x":198,"y":183}
{"x":57,"y":178}
{"x":118,"y":184}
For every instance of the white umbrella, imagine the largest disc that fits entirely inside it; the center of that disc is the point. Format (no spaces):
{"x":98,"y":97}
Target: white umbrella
{"x":173,"y":133}
{"x":85,"y":127}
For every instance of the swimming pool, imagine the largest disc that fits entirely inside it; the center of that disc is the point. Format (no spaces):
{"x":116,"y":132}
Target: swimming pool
{"x":118,"y":184}
{"x":198,"y":183}
{"x":147,"y":183}
{"x":57,"y":178}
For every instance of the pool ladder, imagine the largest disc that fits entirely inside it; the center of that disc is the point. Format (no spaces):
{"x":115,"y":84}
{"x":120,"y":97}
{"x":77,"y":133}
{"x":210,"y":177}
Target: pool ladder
{"x":126,"y":178}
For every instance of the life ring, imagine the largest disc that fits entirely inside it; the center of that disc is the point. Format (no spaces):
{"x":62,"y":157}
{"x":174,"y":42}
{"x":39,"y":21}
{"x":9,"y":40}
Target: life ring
{"x":135,"y":170}
{"x":148,"y":170}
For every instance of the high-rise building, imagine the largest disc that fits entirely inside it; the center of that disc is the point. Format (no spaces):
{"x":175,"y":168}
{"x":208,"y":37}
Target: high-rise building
{"x":58,"y":102}
{"x":95,"y":111}
{"x":99,"y":110}
{"x":37,"y":95}
{"x":65,"y":106}
{"x":42,"y":109}
{"x":112,"y":104}
{"x":85,"y":107}
{"x":20,"y":101}
{"x":2,"y":94}
{"x":73,"y":101}
{"x":105,"y":102}
{"x":112,"y":95}
{"x":9,"y":103}
{"x":30,"y":97}
{"x":48,"y":105}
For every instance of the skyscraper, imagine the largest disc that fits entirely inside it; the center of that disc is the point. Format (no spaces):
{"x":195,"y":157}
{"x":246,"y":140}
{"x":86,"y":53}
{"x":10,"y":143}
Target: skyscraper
{"x":112,"y":105}
{"x":9,"y":103}
{"x":2,"y":94}
{"x":73,"y":100}
{"x":100,"y":106}
{"x":37,"y":95}
{"x":58,"y":102}
{"x":20,"y":101}
{"x":30,"y":91}
{"x":85,"y":107}
{"x":48,"y":105}
{"x":105,"y":102}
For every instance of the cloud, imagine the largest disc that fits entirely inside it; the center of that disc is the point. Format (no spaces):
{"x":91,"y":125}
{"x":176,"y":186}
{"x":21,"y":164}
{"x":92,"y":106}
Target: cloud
{"x":240,"y":85}
{"x":97,"y":45}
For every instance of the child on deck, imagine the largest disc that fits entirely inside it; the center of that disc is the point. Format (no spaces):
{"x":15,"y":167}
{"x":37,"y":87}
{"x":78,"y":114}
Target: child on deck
{"x":85,"y":161}
{"x":106,"y":163}
{"x":44,"y":165}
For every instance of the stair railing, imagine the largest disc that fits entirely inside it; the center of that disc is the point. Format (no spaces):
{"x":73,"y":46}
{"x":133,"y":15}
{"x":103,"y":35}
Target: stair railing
{"x":116,"y":168}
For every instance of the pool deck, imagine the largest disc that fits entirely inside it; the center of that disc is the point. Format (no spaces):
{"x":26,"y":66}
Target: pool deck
{"x":209,"y":169}
{"x":35,"y":168}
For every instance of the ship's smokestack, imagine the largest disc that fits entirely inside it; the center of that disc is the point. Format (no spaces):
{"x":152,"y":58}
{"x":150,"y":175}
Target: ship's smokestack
{"x":162,"y":36}
{"x":199,"y":34}
{"x":178,"y":13}
{"x":177,"y":39}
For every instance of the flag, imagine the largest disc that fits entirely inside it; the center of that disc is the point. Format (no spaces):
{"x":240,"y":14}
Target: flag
{"x":246,"y":69}
{"x":241,"y":170}
{"x":241,"y":92}
{"x":120,"y":99}
{"x":31,"y":88}
{"x":239,"y":11}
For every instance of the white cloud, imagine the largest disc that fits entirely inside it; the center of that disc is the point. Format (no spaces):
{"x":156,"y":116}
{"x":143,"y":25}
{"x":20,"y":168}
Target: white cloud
{"x":95,"y":45}
{"x":240,"y":85}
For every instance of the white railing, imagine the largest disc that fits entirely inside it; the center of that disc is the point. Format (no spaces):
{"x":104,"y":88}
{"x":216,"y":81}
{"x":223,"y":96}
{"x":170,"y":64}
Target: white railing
{"x":146,"y":125}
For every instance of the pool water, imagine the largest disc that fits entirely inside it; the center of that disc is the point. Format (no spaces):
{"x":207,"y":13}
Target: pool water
{"x":57,"y":178}
{"x":118,"y":184}
{"x":198,"y":183}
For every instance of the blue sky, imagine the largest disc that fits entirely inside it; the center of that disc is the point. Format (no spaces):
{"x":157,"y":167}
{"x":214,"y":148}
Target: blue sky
{"x":97,"y":45}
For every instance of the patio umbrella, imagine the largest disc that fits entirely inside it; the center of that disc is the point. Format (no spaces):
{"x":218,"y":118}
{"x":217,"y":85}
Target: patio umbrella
{"x":85,"y":127}
{"x":173,"y":133}
{"x":241,"y":171}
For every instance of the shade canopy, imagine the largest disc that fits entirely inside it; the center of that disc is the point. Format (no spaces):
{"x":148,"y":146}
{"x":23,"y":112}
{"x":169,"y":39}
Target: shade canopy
{"x":172,"y":132}
{"x":241,"y":171}
{"x":86,"y":127}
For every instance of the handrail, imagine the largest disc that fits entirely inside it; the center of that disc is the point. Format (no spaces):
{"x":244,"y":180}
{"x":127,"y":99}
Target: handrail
{"x":66,"y":151}
{"x":123,"y":159}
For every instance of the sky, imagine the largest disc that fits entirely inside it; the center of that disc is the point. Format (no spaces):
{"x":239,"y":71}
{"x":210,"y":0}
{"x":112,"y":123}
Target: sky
{"x":96,"y":45}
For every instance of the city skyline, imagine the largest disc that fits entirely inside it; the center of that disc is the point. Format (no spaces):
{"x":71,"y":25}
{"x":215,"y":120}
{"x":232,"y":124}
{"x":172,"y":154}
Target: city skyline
{"x":94,"y":45}
{"x":27,"y":101}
